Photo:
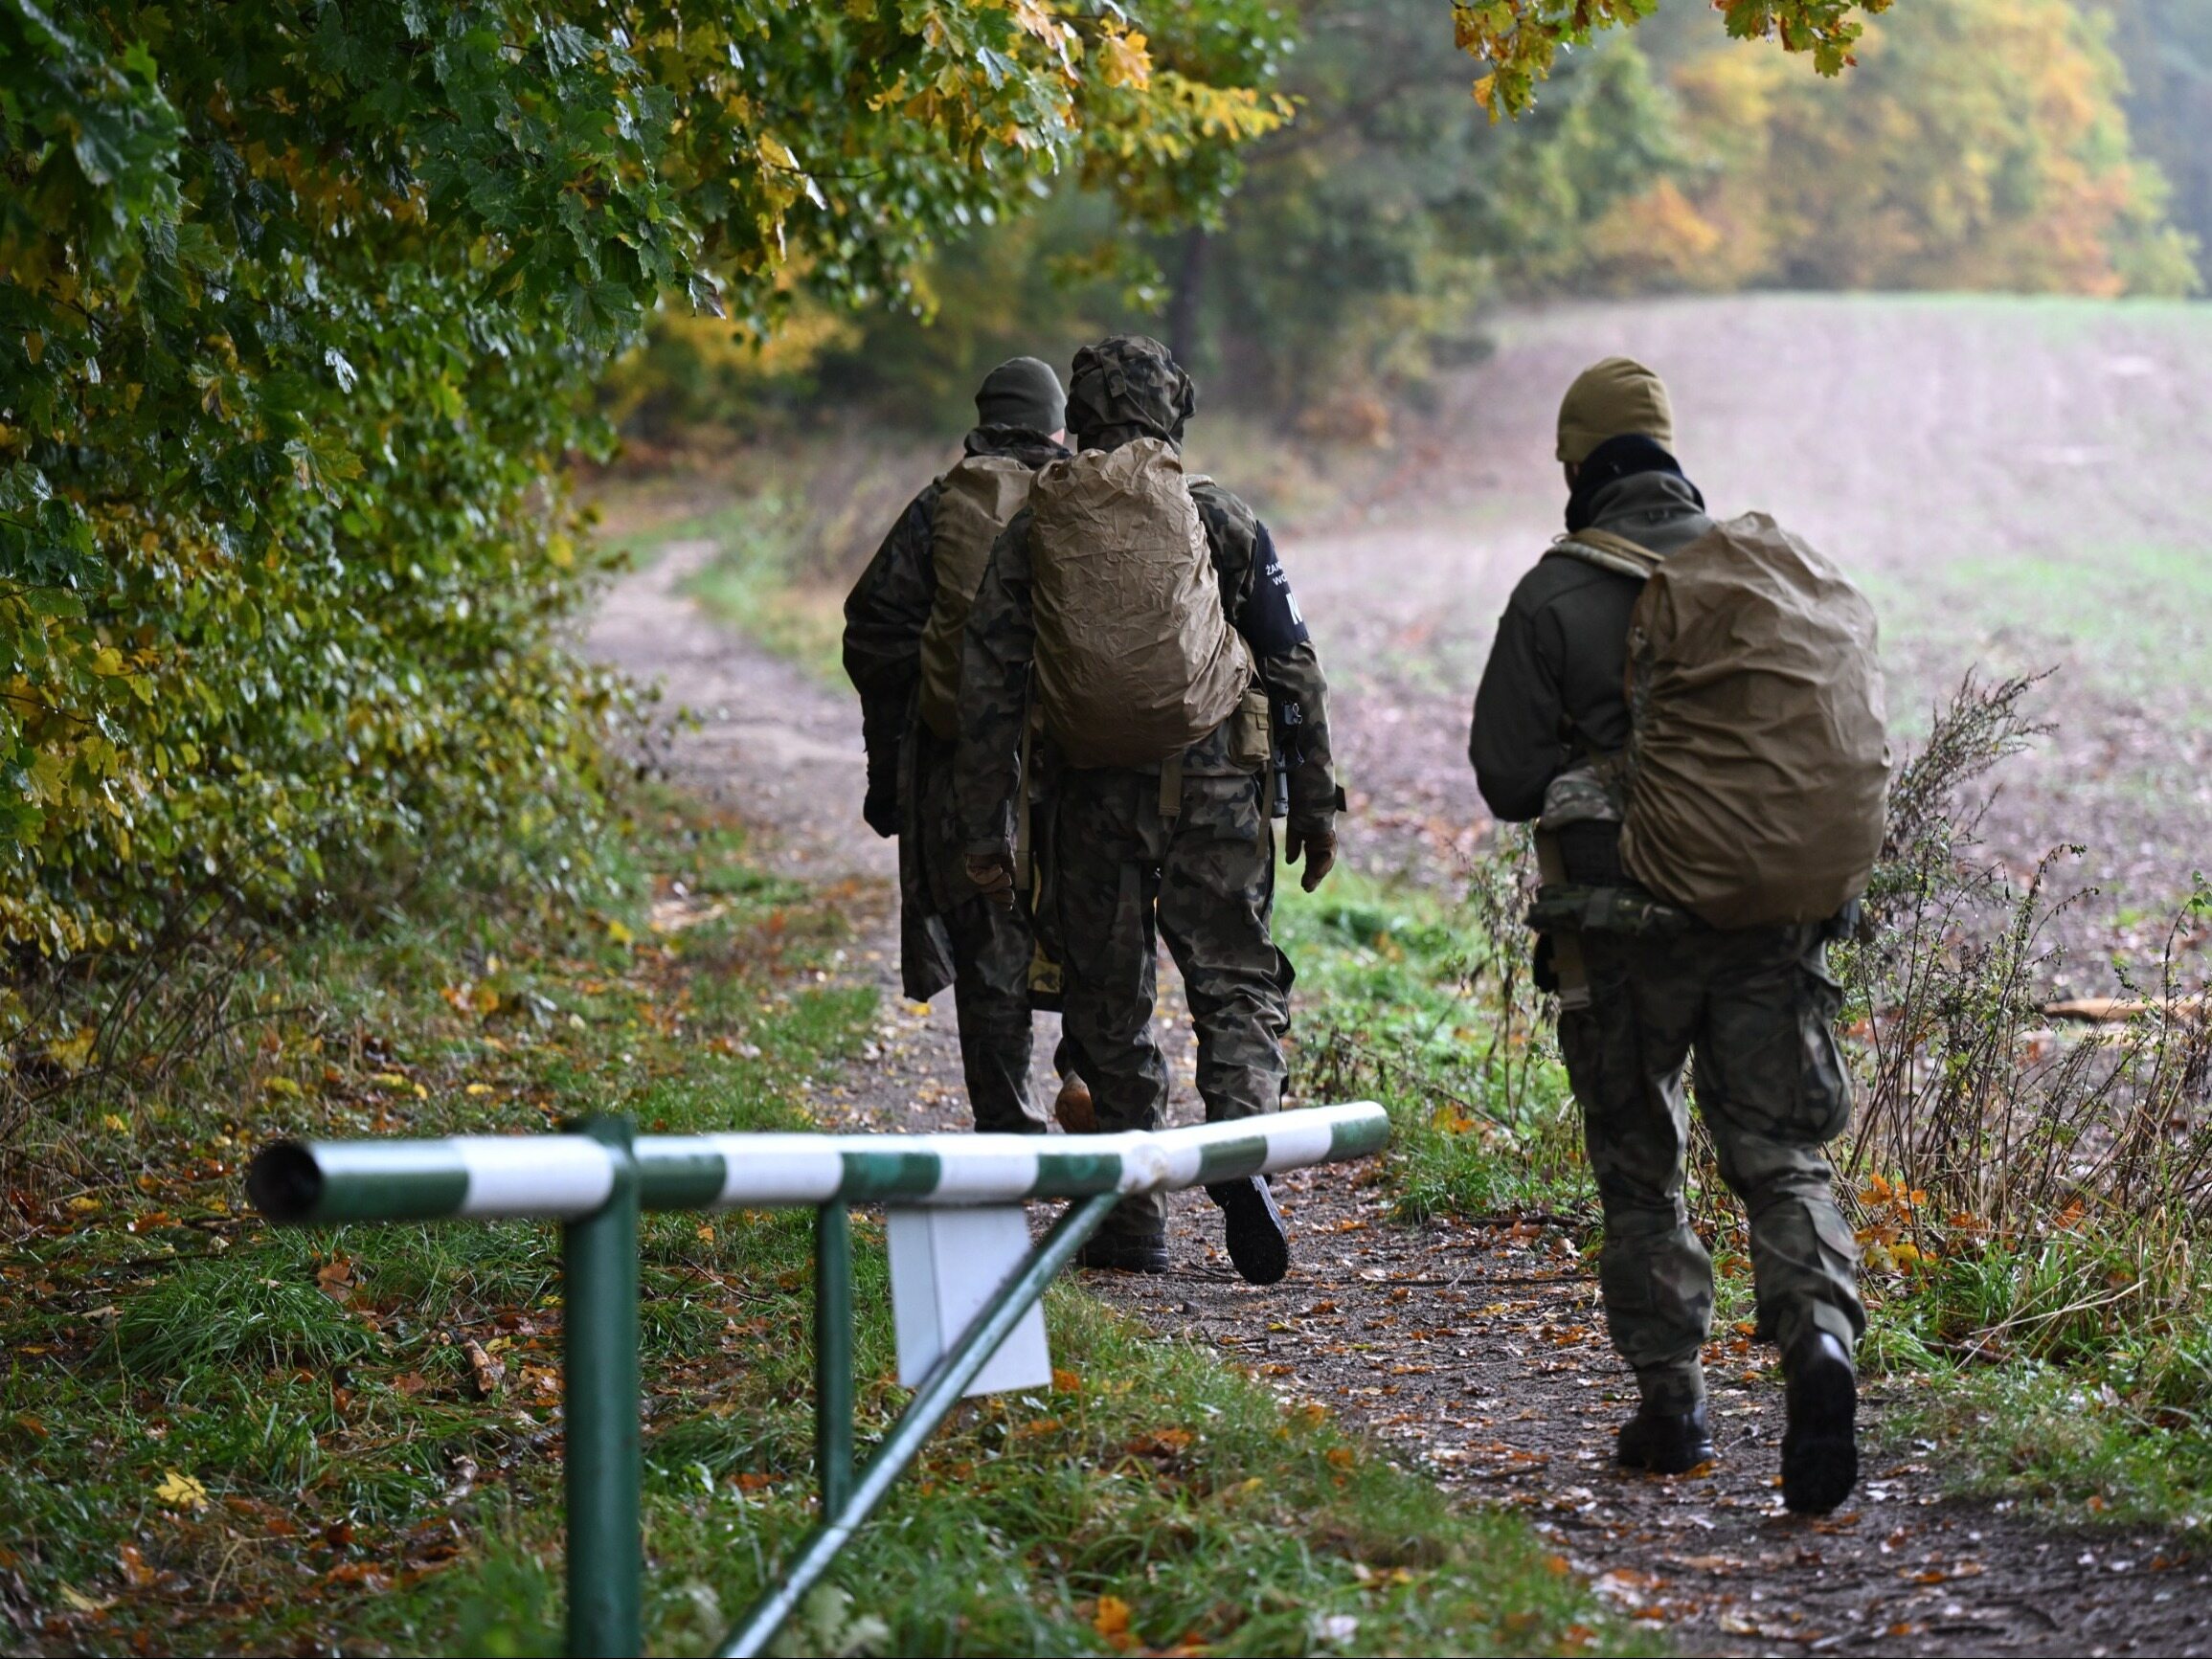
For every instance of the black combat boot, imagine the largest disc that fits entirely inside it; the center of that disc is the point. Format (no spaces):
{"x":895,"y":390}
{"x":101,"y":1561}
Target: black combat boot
{"x":1665,"y":1442}
{"x":1253,"y":1229}
{"x":1820,"y":1445}
{"x":1125,"y":1252}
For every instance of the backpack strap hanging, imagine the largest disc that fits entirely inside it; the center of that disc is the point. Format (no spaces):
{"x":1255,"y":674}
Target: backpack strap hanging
{"x":1171,"y":788}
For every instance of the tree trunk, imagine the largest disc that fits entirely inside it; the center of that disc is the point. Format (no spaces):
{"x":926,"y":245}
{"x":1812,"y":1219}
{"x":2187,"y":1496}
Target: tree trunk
{"x":1183,"y":305}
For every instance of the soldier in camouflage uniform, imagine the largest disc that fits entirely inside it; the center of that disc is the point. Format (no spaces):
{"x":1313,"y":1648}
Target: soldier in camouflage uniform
{"x":1756,"y":1006}
{"x":1127,"y":873}
{"x":949,"y":935}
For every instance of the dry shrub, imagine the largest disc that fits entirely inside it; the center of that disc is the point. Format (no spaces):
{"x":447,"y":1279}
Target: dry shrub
{"x":2053,"y":1183}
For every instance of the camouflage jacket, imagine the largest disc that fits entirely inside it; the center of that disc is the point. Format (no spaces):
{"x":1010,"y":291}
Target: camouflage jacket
{"x":1256,"y":597}
{"x":884,"y":618}
{"x":1552,"y":688}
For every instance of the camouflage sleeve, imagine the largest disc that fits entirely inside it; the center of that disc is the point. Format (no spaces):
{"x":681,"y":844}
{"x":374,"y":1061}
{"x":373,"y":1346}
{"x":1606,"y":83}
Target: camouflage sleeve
{"x":996,"y":652}
{"x":1514,"y":743}
{"x":884,"y":618}
{"x":1255,"y":593}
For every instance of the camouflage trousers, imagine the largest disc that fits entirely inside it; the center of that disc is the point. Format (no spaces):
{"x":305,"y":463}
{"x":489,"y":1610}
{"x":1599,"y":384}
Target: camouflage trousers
{"x":1756,"y":1008}
{"x":1126,"y":875}
{"x":991,"y":949}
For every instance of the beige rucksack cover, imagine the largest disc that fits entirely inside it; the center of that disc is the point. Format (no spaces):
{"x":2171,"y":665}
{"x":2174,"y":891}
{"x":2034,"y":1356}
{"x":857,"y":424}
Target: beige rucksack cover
{"x":975,"y":499}
{"x":1135,"y":659}
{"x":1760,"y":766}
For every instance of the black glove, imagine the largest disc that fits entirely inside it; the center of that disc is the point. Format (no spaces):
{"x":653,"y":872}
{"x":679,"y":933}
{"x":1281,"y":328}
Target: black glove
{"x":1319,"y":842}
{"x":993,"y":876}
{"x":881,"y":808}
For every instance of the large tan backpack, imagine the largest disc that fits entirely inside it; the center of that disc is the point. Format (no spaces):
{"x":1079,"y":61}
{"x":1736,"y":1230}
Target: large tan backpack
{"x":975,"y":499}
{"x":1758,"y":765}
{"x":1135,"y":659}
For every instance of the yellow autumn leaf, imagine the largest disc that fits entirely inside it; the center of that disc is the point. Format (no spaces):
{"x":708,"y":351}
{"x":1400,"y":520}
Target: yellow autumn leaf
{"x":114,"y":1121}
{"x":70,"y":1053}
{"x":479,"y":1088}
{"x":1125,"y":59}
{"x":107,"y":662}
{"x":179,"y":1490}
{"x":1111,"y":1618}
{"x":619,"y":933}
{"x":283,"y":1086}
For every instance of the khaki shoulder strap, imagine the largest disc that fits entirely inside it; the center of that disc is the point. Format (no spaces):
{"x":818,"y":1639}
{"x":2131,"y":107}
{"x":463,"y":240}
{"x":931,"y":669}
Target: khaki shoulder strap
{"x":1608,"y":552}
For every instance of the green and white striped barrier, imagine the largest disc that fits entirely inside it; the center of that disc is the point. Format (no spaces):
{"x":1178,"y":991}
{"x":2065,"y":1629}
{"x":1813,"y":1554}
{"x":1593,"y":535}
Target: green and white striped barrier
{"x":596,"y":1181}
{"x":557,"y":1177}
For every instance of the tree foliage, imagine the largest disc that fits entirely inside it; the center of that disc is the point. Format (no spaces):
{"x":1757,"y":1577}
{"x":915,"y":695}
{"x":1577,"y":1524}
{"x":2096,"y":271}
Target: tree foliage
{"x":1520,"y":41}
{"x":300,"y":306}
{"x":2167,"y":48}
{"x":1977,"y":145}
{"x":1369,"y":231}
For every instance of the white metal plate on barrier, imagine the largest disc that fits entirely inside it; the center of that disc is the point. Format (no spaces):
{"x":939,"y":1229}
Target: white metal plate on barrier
{"x":944,"y":1265}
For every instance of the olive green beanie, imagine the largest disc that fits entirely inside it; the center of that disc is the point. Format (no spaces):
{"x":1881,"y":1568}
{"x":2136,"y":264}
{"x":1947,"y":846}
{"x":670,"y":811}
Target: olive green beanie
{"x":1021,"y":392}
{"x":1612,"y":399}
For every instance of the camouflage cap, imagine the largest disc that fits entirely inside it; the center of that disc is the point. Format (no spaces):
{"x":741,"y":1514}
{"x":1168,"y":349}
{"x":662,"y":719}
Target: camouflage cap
{"x":1129,"y":380}
{"x":1613,"y":400}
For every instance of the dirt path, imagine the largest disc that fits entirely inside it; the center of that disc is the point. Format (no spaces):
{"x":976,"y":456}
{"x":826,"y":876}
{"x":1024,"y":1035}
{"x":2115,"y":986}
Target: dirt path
{"x":1477,"y":1353}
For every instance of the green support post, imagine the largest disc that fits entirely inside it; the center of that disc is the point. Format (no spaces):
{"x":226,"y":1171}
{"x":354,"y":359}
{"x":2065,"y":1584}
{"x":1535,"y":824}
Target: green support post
{"x":933,"y":1401}
{"x":833,"y":1355}
{"x":599,"y":1407}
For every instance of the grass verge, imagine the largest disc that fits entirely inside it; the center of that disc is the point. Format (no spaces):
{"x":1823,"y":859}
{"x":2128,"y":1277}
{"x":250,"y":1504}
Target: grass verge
{"x":226,"y":1438}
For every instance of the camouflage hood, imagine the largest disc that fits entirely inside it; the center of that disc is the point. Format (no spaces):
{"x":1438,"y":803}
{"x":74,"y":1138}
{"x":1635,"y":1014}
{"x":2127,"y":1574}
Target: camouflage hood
{"x":1128,"y":385}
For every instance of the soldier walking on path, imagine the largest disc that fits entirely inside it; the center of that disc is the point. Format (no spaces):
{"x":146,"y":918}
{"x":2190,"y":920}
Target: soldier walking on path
{"x":1697,"y":856}
{"x":903,"y":623}
{"x":1147,"y":612}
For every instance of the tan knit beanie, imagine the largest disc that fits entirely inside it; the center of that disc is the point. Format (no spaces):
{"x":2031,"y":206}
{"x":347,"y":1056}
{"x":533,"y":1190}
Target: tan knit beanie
{"x":1612,"y":399}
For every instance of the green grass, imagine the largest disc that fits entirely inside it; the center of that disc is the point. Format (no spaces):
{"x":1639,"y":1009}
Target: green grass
{"x":1405,"y":998}
{"x":223,"y":1437}
{"x":2051,"y":1442}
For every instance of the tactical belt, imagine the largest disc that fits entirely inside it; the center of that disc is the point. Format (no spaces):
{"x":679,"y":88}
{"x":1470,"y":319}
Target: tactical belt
{"x":1566,"y":911}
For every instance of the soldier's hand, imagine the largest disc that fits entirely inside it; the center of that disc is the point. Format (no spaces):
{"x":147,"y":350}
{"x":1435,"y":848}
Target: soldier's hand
{"x":1318,"y":844}
{"x":993,"y":876}
{"x":880,"y":811}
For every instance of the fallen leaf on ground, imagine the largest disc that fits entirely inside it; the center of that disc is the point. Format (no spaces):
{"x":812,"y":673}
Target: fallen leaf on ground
{"x":489,"y":1373}
{"x":1111,"y":1618}
{"x":181,"y":1492}
{"x":135,"y":1572}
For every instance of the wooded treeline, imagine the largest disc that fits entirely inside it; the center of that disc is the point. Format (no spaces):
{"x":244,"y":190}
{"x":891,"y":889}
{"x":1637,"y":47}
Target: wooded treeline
{"x":2024,"y":146}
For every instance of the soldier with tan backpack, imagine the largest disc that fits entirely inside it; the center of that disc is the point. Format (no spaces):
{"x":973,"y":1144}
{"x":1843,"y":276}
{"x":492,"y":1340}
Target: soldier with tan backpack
{"x":903,"y":625}
{"x":1135,"y":616}
{"x":1691,"y":711}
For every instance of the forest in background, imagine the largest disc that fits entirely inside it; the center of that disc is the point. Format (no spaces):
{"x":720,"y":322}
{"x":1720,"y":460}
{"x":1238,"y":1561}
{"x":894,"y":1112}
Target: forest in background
{"x":2000,"y":146}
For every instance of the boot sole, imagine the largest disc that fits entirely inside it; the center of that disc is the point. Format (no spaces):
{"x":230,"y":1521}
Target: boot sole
{"x":1253,"y":1232}
{"x":1138,"y":1261}
{"x":1697,"y":1456}
{"x":1820,"y":1447}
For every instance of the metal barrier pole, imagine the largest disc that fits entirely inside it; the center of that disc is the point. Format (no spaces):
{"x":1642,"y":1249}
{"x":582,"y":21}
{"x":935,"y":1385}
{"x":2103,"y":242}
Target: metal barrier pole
{"x":939,"y":1392}
{"x":604,"y":1466}
{"x":833,"y":1355}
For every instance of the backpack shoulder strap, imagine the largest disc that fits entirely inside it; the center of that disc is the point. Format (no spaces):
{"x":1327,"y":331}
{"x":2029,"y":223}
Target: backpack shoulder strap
{"x":1608,"y":552}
